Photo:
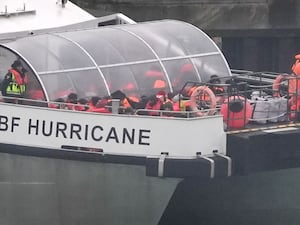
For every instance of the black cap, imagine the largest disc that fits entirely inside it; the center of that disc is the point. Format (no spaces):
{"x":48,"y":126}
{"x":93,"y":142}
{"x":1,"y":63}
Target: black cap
{"x":16,"y":64}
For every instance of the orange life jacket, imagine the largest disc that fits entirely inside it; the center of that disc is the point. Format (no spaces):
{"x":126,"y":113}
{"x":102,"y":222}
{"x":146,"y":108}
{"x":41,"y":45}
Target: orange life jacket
{"x":296,"y":65}
{"x":155,"y":106}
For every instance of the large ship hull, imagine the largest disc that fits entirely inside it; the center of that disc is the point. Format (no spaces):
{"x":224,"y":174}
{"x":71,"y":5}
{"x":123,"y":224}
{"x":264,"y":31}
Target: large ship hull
{"x":50,"y":186}
{"x":68,"y":167}
{"x":50,"y":189}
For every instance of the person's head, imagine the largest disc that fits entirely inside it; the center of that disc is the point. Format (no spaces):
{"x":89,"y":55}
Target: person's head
{"x":83,"y":102}
{"x":17,"y":65}
{"x":72,"y":98}
{"x":214,"y":79}
{"x":94,"y":100}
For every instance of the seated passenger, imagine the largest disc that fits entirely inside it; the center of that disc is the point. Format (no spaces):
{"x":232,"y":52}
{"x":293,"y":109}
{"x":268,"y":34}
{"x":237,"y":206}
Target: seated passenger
{"x":142,"y":104}
{"x":93,"y":102}
{"x":219,"y":91}
{"x":155,"y":103}
{"x":82,"y":105}
{"x":214,"y":85}
{"x":127,"y":104}
{"x":101,"y":106}
{"x":72,"y":101}
{"x":168,"y":106}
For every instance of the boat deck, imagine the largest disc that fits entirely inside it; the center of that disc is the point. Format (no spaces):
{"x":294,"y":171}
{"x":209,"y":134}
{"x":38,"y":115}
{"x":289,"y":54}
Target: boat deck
{"x":264,"y":148}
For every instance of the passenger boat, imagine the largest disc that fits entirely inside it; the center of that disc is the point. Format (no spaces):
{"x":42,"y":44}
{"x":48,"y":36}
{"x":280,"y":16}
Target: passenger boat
{"x":136,"y":155}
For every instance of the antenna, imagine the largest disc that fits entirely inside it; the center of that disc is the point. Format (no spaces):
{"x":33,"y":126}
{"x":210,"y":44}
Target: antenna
{"x":19,"y":11}
{"x":63,"y":3}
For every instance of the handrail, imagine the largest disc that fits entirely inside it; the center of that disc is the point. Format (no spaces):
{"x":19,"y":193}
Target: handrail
{"x":161,"y":113}
{"x":233,"y":86}
{"x":167,"y":113}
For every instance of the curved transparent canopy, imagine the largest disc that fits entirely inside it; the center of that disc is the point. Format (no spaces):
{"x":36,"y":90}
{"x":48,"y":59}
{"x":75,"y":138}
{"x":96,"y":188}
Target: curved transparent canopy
{"x":138,"y":59}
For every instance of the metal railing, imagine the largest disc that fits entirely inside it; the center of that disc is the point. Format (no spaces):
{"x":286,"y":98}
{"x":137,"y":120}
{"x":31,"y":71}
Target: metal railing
{"x":267,"y":105}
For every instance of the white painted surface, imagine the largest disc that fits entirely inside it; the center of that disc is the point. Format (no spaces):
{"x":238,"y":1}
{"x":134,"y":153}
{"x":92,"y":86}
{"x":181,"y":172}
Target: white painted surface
{"x":48,"y":14}
{"x":152,"y":135}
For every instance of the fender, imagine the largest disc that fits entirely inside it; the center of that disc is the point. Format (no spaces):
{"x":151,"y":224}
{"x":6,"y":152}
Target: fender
{"x":236,"y":112}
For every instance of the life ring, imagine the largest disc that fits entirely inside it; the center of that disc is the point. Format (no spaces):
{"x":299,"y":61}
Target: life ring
{"x":236,"y":111}
{"x":277,"y":86}
{"x":203,"y":95}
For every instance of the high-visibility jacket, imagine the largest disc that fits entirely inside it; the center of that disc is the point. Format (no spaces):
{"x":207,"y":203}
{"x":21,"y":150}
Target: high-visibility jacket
{"x":17,"y":84}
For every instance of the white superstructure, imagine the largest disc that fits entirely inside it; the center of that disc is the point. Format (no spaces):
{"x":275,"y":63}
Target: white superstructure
{"x":28,"y":15}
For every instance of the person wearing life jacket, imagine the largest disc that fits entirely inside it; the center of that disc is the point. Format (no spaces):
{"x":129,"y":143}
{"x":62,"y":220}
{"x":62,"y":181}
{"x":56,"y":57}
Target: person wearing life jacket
{"x":213,"y":85}
{"x":15,"y":82}
{"x":82,"y":105}
{"x":294,"y":87}
{"x":296,"y":65}
{"x":295,"y":83}
{"x":126,"y":104}
{"x":219,"y":91}
{"x":155,"y":103}
{"x":167,"y":103}
{"x":129,"y":104}
{"x":160,"y":101}
{"x":92,"y":103}
{"x":71,"y":101}
{"x":106,"y":104}
{"x":101,"y":106}
{"x":98,"y":105}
